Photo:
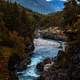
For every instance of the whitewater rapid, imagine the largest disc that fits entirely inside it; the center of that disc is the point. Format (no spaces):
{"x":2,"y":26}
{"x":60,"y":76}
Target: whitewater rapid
{"x":43,"y":49}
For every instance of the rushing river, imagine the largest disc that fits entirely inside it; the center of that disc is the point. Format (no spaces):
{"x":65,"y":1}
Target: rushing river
{"x":43,"y":49}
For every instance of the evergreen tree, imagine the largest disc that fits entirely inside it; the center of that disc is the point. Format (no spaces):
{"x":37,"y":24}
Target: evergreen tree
{"x":70,"y":12}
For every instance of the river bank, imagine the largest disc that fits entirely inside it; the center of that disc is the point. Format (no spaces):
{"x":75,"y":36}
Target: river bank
{"x":53,"y":33}
{"x":16,"y":39}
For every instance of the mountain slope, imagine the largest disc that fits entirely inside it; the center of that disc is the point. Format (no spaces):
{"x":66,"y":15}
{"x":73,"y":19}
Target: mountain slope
{"x":43,"y":6}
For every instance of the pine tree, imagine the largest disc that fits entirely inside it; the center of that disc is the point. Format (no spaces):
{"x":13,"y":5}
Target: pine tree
{"x":70,"y":12}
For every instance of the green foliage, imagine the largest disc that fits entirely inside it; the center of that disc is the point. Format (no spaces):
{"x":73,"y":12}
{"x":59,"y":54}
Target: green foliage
{"x":70,"y":12}
{"x":16,"y":17}
{"x":71,"y":23}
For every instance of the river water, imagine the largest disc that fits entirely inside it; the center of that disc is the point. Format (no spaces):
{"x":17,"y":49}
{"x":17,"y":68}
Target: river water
{"x":43,"y":49}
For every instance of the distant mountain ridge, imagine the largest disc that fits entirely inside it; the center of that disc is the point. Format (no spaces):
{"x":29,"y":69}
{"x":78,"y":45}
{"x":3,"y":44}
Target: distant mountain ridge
{"x":42,"y":6}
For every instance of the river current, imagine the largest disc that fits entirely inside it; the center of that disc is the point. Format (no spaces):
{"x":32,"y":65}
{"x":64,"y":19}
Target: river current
{"x":43,"y":49}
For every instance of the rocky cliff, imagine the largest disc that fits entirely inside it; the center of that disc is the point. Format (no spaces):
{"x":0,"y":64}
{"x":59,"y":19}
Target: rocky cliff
{"x":16,"y":39}
{"x":67,"y":64}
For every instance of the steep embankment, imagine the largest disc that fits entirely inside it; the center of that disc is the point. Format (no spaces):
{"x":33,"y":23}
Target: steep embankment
{"x":67,"y":65}
{"x":16,"y":39}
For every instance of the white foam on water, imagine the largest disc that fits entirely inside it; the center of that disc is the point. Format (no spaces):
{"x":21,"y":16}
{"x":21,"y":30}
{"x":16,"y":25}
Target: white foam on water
{"x":43,"y":49}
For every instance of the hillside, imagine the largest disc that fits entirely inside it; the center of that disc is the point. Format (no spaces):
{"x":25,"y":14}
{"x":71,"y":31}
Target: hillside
{"x":67,"y":63}
{"x":17,"y":26}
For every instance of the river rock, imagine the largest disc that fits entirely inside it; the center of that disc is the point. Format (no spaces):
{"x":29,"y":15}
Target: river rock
{"x":40,"y":66}
{"x":52,"y":36}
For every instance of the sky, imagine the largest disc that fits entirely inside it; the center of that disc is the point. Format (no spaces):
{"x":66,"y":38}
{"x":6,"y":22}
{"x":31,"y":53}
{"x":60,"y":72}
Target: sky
{"x":58,"y":0}
{"x":43,"y":6}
